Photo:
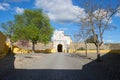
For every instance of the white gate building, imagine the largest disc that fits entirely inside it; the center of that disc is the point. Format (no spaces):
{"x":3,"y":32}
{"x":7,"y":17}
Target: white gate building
{"x":61,"y":42}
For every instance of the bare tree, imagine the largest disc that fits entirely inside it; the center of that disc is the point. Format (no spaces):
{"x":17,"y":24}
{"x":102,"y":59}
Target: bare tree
{"x":85,"y":34}
{"x":81,"y":36}
{"x":76,"y":41}
{"x":99,"y":14}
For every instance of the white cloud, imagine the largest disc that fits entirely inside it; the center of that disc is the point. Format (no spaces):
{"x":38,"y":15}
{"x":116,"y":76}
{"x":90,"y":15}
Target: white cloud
{"x":108,"y":41}
{"x":19,"y":10}
{"x":60,"y":10}
{"x":4,"y":6}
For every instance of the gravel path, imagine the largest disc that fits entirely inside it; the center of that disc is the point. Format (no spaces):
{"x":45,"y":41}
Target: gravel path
{"x":49,"y":61}
{"x":57,"y":66}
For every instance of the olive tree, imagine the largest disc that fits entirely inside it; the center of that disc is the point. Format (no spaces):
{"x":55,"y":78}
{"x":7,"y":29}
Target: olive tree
{"x":33,"y":25}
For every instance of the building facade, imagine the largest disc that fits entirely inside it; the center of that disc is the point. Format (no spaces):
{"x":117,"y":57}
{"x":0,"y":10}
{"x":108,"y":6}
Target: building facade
{"x":61,"y":42}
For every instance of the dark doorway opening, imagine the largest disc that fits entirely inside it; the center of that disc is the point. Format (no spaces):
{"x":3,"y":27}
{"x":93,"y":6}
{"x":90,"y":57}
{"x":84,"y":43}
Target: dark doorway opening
{"x":59,"y":47}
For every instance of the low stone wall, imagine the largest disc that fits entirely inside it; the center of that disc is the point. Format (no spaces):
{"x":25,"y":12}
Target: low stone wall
{"x":18,"y":50}
{"x":48,"y":48}
{"x":94,"y":51}
{"x":113,"y":46}
{"x":38,"y":46}
{"x":91,"y":46}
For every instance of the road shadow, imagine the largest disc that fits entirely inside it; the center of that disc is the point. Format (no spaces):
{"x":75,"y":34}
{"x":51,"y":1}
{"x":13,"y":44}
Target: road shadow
{"x":6,"y":65}
{"x":108,"y":69}
{"x":111,"y":63}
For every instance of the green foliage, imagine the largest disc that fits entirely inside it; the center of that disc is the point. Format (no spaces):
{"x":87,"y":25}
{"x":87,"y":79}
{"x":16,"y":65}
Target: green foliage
{"x":33,"y":25}
{"x":81,"y":48}
{"x":45,"y":34}
{"x":32,"y":33}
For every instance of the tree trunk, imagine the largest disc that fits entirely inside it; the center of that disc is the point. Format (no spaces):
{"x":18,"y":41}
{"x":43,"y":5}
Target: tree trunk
{"x":75,"y":48}
{"x":98,"y":52}
{"x":11,"y":47}
{"x":85,"y":49}
{"x":33,"y":47}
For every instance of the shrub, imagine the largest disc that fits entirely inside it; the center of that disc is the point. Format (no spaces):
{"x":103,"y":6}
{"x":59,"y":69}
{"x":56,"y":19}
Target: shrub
{"x":81,"y":48}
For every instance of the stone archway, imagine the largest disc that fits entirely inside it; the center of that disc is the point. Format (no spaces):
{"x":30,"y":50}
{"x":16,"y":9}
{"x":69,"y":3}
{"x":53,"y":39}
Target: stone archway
{"x":59,"y":48}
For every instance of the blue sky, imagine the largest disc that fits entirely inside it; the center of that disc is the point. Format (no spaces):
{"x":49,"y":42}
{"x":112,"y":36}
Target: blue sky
{"x":62,"y":14}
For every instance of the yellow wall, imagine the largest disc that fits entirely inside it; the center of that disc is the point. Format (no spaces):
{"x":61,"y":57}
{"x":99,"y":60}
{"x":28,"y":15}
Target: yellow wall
{"x":17,"y":50}
{"x":3,"y":47}
{"x":94,"y":51}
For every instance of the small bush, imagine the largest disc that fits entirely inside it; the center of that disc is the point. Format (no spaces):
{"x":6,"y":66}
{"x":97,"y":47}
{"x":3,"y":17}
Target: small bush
{"x":81,"y":48}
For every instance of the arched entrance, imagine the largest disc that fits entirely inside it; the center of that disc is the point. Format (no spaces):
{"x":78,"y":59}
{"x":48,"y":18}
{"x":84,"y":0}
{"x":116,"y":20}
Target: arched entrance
{"x":59,"y":47}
